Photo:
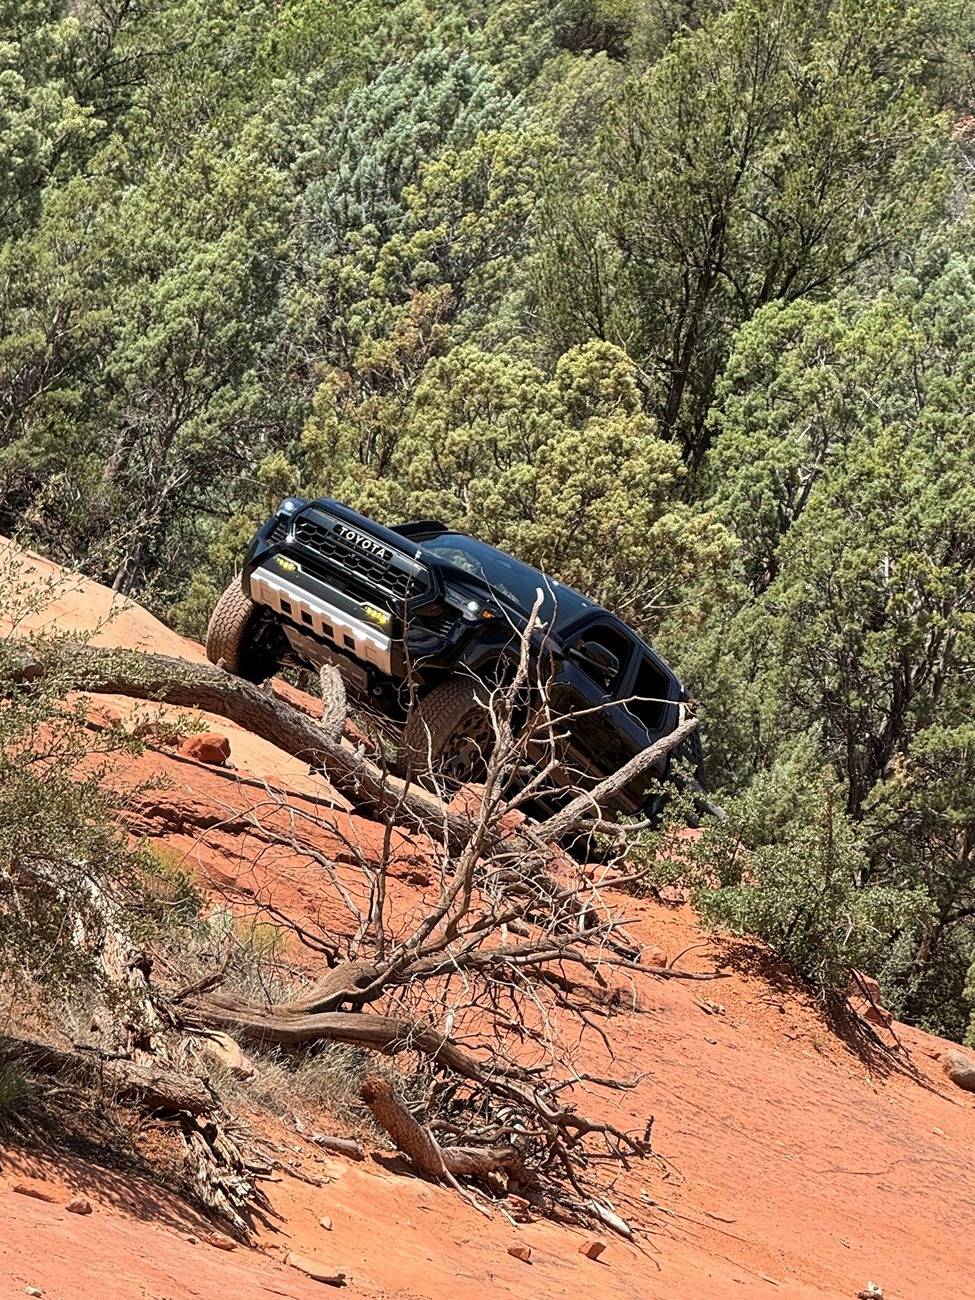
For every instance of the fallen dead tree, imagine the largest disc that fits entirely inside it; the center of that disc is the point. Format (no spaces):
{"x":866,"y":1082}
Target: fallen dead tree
{"x":166,"y":680}
{"x":152,"y":1087}
{"x":514,"y":936}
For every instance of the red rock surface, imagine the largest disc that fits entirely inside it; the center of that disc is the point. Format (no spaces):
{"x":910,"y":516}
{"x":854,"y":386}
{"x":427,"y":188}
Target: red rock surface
{"x":788,"y":1166}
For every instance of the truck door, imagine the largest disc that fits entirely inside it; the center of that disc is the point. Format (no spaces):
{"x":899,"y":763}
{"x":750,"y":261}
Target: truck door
{"x":600,"y":735}
{"x":649,"y":701}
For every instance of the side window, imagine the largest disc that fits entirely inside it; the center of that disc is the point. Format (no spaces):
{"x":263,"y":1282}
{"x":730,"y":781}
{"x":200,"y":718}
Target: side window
{"x":649,"y":703}
{"x":616,"y":643}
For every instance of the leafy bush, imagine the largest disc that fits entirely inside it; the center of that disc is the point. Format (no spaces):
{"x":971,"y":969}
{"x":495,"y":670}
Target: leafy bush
{"x":787,"y":866}
{"x":171,"y":894}
{"x":71,"y":887}
{"x":62,"y":858}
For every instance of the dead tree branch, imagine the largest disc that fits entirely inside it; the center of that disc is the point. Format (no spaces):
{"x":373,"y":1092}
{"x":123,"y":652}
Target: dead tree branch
{"x":476,"y":978}
{"x":152,"y":1087}
{"x":586,"y":805}
{"x":417,"y":1142}
{"x":166,"y":680}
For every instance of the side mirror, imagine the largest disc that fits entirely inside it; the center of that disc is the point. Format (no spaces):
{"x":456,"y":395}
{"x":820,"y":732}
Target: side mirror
{"x":600,"y":661}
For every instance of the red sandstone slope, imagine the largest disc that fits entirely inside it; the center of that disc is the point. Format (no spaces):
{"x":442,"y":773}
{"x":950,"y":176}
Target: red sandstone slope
{"x":788,"y":1167}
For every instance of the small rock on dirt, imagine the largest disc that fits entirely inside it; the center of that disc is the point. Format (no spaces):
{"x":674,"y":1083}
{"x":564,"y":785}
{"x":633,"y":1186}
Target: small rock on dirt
{"x":326,"y":1222}
{"x":314,"y":1269}
{"x":224,"y":1051}
{"x":220,"y":1240}
{"x":960,"y":1069}
{"x":864,"y":997}
{"x":655,"y":957}
{"x":38,"y":1193}
{"x":592,"y":1249}
{"x":467,"y":799}
{"x":519,"y":1207}
{"x":79,"y":1205}
{"x":208,"y":747}
{"x":33,"y":1290}
{"x":524,"y":1253}
{"x":467,"y":802}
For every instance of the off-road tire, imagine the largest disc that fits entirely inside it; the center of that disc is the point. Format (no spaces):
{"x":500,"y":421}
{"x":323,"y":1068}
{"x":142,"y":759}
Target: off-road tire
{"x":237,"y":637}
{"x":448,"y":735}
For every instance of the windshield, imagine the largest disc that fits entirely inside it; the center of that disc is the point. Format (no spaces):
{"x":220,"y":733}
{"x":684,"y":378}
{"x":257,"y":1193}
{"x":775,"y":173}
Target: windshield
{"x":508,"y":578}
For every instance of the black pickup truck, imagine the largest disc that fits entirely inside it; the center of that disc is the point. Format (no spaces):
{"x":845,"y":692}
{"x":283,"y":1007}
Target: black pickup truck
{"x":422,"y":613}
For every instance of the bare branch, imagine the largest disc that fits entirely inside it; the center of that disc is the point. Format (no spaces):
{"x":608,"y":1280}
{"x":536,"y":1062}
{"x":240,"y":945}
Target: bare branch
{"x":587,"y":804}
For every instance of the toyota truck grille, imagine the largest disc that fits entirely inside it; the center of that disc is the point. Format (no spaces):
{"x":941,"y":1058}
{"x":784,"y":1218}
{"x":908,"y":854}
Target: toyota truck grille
{"x":344,"y":558}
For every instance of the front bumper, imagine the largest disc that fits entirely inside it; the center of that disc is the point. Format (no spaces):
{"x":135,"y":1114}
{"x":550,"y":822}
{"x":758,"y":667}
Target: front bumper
{"x":282,"y":585}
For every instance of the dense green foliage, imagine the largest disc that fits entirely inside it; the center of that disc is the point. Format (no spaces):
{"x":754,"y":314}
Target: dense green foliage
{"x":675,"y":298}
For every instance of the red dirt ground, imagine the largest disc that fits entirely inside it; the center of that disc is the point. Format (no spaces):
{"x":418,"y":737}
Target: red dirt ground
{"x":789,"y":1167}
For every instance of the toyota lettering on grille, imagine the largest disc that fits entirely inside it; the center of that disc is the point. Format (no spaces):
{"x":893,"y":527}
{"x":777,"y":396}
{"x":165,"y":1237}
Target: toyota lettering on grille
{"x":366,"y":544}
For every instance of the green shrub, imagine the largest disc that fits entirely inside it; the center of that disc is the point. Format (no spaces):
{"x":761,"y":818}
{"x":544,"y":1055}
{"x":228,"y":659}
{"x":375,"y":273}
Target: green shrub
{"x":171,"y":894}
{"x":69,"y":880}
{"x":788,"y":866}
{"x":658,"y":858}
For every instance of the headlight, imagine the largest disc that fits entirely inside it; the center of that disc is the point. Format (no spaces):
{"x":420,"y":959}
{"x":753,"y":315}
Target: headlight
{"x":473,"y":610}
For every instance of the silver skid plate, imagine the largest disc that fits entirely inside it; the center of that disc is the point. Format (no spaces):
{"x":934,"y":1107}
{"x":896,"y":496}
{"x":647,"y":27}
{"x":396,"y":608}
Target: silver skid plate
{"x":332,"y":624}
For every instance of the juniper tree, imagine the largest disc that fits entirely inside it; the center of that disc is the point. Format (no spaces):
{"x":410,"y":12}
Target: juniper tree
{"x":765,"y":156}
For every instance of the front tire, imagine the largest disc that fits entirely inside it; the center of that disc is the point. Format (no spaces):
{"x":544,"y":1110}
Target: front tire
{"x":240,"y":638}
{"x":448,"y":734}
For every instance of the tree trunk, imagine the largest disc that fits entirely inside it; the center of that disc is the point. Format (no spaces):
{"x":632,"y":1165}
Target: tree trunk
{"x":417,"y":1142}
{"x":150,"y":1086}
{"x":378,"y":1033}
{"x":199,"y":686}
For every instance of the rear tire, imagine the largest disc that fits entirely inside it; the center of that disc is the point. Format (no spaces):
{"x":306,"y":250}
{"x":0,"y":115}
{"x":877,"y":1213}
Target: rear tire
{"x":448,"y":734}
{"x":240,"y":638}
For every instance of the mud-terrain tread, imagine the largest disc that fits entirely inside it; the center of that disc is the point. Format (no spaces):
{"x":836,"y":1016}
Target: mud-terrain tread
{"x":230,"y":636}
{"x":434,"y":721}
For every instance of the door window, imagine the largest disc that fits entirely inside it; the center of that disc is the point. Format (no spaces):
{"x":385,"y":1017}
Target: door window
{"x":613,"y":640}
{"x":649,"y":703}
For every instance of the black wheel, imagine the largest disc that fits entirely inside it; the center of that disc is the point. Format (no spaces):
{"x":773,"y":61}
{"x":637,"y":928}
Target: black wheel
{"x":449,"y":734}
{"x":242,"y":637}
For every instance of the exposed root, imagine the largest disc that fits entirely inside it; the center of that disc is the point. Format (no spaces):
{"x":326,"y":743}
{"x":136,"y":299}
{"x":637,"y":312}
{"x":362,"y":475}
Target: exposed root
{"x":218,"y":1165}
